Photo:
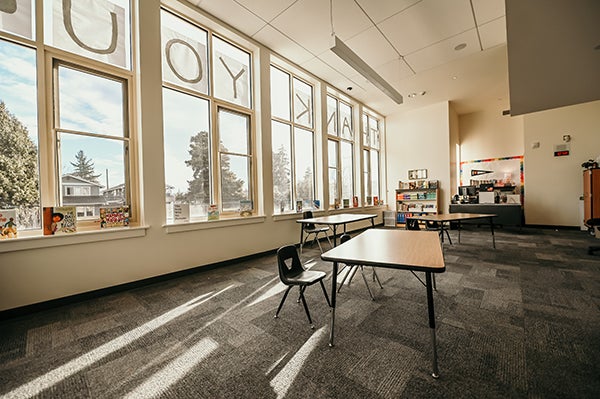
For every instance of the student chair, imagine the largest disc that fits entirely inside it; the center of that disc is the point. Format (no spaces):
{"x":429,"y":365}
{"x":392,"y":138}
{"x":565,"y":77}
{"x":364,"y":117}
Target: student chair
{"x":311,"y":228}
{"x":292,"y":273}
{"x":436,"y":226}
{"x":412,"y":224}
{"x":354,"y":268}
{"x":591,"y":224}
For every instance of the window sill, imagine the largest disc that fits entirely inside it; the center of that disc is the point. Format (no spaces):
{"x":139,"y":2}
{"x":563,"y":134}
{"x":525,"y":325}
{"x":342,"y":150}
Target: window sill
{"x":34,"y":241}
{"x":212,"y":224}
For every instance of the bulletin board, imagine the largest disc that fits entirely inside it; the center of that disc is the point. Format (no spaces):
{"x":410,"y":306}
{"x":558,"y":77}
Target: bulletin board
{"x":505,"y":171}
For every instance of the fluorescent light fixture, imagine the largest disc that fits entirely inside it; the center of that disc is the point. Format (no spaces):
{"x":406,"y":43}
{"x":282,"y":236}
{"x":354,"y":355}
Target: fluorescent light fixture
{"x":352,"y":59}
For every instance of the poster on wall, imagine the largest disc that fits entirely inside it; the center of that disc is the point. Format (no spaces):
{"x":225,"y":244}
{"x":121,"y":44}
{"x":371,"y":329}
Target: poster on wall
{"x":496,"y":172}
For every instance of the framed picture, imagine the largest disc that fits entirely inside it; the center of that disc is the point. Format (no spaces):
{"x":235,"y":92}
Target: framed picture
{"x":415,"y":174}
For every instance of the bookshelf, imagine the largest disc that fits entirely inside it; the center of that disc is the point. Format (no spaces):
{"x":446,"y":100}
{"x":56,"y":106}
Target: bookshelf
{"x":419,"y":197}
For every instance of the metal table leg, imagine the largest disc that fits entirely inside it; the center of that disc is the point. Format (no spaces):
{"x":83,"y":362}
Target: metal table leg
{"x":333,"y":300}
{"x":435,"y":371}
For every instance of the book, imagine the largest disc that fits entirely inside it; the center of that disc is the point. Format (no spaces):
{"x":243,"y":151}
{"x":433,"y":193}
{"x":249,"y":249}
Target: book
{"x":375,"y":200}
{"x":245,"y":208}
{"x":346,"y":202}
{"x":317,"y":204}
{"x":299,"y":206}
{"x":355,"y":201}
{"x":114,"y":216}
{"x":8,"y":223}
{"x":213,"y":212}
{"x":59,"y":220}
{"x":181,"y":213}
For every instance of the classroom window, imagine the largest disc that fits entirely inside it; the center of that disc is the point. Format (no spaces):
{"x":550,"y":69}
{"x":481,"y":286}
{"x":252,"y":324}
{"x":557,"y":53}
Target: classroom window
{"x":293,"y":141}
{"x":207,"y":116}
{"x":371,"y":146}
{"x":341,"y":155}
{"x":82,"y":150}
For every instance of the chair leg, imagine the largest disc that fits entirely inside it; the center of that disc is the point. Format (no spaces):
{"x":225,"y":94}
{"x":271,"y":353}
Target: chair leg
{"x":346,"y":276}
{"x":362,"y":273}
{"x":354,"y":270}
{"x":306,"y":309}
{"x":376,"y":277}
{"x":282,"y":301}
{"x":325,"y":292}
{"x":328,"y":240}
{"x":319,"y":243}
{"x":448,"y":235}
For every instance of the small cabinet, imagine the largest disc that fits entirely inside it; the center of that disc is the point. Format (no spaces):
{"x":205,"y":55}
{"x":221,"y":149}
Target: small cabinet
{"x":591,"y":194}
{"x":416,"y":201}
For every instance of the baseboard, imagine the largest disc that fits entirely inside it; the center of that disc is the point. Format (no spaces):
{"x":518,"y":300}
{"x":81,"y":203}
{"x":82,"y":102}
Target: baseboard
{"x":84,"y":296}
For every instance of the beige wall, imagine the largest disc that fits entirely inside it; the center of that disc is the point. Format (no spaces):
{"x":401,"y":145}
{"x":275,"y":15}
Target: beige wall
{"x":553,"y":185}
{"x":419,"y":140}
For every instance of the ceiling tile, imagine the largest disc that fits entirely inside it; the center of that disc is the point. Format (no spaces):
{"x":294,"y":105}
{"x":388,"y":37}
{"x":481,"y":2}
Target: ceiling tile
{"x":493,"y":33}
{"x":443,"y":52}
{"x":282,"y":45}
{"x":233,"y":14}
{"x":394,"y":72}
{"x":378,"y":10}
{"x":488,"y":10}
{"x":266,"y":9}
{"x":426,"y":23}
{"x":372,"y":46}
{"x":336,"y":63}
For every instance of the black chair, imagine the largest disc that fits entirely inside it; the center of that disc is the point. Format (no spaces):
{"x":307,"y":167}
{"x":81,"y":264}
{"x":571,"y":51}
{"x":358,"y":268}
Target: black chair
{"x":412,"y":224}
{"x":437,"y":226}
{"x":354,"y":268}
{"x":292,"y":273}
{"x":311,"y":228}
{"x":591,"y":224}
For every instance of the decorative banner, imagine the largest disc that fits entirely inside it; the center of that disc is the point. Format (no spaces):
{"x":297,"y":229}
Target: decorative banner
{"x":184,"y":61}
{"x":16,"y":17}
{"x":232,"y":82}
{"x":506,"y":171}
{"x":97,"y":29}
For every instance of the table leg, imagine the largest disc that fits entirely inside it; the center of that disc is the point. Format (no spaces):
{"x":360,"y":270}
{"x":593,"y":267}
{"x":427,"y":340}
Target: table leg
{"x":459,"y":231}
{"x":334,"y":236}
{"x":333,"y":299}
{"x":301,"y":235}
{"x":493,"y":237}
{"x":435,"y":373}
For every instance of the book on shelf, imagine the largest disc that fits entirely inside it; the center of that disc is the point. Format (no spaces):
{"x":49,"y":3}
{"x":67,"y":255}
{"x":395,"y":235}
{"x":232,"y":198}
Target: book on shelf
{"x":59,"y":220}
{"x":245,"y":208}
{"x":8,"y":223}
{"x":114,"y":216}
{"x":213,"y":212}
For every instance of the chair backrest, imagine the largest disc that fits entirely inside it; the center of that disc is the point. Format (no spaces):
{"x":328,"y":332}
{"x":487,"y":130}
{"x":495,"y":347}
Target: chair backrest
{"x":307,"y":215}
{"x":431,"y":224}
{"x":344,"y":237}
{"x":412,"y":224}
{"x":288,"y":262}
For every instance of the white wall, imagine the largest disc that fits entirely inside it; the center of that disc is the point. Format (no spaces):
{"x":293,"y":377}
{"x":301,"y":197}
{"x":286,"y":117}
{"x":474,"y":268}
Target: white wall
{"x":36,"y":275}
{"x":419,"y":140}
{"x":553,"y":185}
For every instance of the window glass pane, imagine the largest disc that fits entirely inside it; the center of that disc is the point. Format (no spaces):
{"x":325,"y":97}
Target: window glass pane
{"x":333,"y":186}
{"x":18,"y":17}
{"x":375,"y":174}
{"x":282,"y":167}
{"x":332,"y":121}
{"x":365,"y":130}
{"x":346,"y":121}
{"x":235,"y":181}
{"x":374,"y":131}
{"x":303,"y":100}
{"x":90,"y":103}
{"x":97,"y":29}
{"x":184,"y":53}
{"x":234,"y":132}
{"x":332,"y":153}
{"x":90,"y":166}
{"x":19,"y":166}
{"x":366,"y":175}
{"x":280,"y":94}
{"x":304,"y":164}
{"x":231,"y":73}
{"x":187,"y":151}
{"x":347,"y":171}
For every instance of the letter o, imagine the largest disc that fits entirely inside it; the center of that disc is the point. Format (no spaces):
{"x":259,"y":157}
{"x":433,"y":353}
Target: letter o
{"x":170,"y":44}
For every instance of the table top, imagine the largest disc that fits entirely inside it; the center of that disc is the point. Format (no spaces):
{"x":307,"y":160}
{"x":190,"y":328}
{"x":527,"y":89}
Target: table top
{"x":392,"y":248}
{"x":339,"y":218}
{"x":451,"y":217}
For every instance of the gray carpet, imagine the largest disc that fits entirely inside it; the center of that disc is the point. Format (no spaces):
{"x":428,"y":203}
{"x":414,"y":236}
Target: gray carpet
{"x":521,"y":321}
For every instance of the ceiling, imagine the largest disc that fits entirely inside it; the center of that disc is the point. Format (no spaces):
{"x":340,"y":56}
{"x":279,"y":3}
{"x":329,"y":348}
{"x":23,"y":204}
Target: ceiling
{"x":410,"y":43}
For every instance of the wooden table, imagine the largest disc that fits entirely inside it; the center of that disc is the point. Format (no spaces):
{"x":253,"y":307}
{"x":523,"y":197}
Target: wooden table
{"x":457,"y":217}
{"x":396,"y":249}
{"x":336,"y":220}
